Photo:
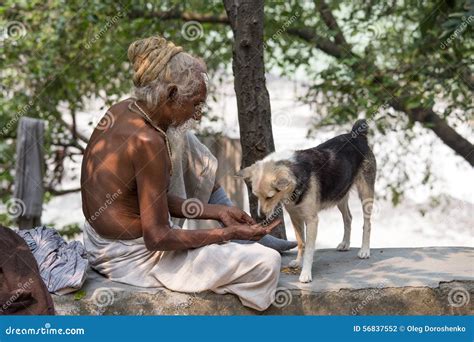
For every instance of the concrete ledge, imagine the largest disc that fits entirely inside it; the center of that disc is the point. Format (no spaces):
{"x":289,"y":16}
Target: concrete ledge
{"x":394,"y":281}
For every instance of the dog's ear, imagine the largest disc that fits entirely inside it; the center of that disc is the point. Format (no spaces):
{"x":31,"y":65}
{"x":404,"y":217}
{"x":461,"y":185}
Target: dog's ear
{"x":281,"y":183}
{"x":245,"y":173}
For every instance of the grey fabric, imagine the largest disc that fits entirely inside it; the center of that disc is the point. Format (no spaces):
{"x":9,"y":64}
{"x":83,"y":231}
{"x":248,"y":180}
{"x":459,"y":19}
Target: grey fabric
{"x":29,"y":166}
{"x":220,"y":197}
{"x":63,"y":266}
{"x":275,"y":243}
{"x":194,"y":169}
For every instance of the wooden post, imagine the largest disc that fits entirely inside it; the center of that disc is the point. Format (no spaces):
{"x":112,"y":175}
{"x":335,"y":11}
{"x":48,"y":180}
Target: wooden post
{"x":29,"y":190}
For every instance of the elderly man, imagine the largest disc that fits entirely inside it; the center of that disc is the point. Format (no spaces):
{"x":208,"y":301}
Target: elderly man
{"x":126,"y":174}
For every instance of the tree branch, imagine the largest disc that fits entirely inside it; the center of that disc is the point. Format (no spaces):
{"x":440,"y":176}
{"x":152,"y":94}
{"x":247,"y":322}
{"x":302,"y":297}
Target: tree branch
{"x":440,"y":127}
{"x":425,"y":116}
{"x":468,"y":78}
{"x":73,"y":131}
{"x":177,"y":14}
{"x":340,"y":49}
{"x":330,"y":21}
{"x":56,"y":192}
{"x":320,"y":42}
{"x":71,"y":144}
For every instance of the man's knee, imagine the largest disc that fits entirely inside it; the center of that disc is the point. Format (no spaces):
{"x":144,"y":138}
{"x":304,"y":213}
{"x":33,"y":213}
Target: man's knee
{"x":276,"y":258}
{"x":271,"y":260}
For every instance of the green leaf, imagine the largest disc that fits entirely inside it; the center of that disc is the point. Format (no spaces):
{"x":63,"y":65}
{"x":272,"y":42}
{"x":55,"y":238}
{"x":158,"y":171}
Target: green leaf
{"x":80,"y":294}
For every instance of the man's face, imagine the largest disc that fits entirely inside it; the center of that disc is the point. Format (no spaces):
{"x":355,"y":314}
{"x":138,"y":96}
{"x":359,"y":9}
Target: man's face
{"x":191,"y":107}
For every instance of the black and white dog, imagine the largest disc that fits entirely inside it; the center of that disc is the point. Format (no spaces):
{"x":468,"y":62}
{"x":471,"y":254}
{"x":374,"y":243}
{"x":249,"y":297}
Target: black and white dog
{"x":308,"y":181}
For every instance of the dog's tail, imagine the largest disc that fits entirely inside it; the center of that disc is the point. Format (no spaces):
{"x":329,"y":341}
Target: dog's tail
{"x":360,"y":128}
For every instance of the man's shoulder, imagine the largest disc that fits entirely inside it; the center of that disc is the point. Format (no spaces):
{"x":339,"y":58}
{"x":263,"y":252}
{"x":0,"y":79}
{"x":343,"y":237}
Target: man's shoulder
{"x":133,"y":127}
{"x":148,"y":136}
{"x":149,"y":149}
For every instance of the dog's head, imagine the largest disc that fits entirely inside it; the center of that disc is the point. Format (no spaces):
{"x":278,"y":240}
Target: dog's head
{"x":272,"y":182}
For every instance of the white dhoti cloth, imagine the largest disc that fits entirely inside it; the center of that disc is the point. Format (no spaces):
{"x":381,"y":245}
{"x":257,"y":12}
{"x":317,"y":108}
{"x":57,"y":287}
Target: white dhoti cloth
{"x":249,"y":271}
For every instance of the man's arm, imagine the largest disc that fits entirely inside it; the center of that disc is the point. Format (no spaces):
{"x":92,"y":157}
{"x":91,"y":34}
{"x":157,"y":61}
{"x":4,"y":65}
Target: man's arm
{"x":207,"y":211}
{"x":151,"y":163}
{"x":199,"y":210}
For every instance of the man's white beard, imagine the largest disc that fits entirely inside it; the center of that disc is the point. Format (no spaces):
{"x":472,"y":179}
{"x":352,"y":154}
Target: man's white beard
{"x":180,"y":131}
{"x":177,"y":138}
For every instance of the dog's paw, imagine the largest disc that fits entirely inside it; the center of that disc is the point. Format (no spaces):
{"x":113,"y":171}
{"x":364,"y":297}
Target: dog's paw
{"x":295,"y":263}
{"x":343,"y":246}
{"x":364,"y":253}
{"x":305,"y":277}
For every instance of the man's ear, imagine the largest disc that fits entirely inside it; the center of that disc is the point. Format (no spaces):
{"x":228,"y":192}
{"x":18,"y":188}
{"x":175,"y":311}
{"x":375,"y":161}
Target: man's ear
{"x":245,"y":173}
{"x":172,"y":92}
{"x":281,"y":183}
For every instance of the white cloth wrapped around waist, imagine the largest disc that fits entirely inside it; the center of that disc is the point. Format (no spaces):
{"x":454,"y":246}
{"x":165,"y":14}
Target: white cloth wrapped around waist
{"x":249,"y":271}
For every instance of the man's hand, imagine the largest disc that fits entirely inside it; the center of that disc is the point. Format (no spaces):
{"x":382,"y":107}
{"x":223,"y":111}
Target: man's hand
{"x":254,"y":232}
{"x":231,"y":216}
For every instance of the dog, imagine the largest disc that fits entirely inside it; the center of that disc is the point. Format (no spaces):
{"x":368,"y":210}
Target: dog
{"x":308,"y":181}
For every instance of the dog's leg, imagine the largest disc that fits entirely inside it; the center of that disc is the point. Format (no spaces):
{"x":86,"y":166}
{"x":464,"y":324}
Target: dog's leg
{"x":347,"y":218}
{"x":366,"y":195}
{"x":311,"y":234}
{"x":298,"y":225}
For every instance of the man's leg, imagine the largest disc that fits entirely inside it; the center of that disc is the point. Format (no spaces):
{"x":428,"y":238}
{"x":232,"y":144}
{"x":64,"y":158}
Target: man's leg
{"x":220,"y":197}
{"x":249,"y":271}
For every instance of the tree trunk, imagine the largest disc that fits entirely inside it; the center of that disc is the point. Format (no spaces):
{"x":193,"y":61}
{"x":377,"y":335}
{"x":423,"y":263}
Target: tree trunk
{"x":253,"y":103}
